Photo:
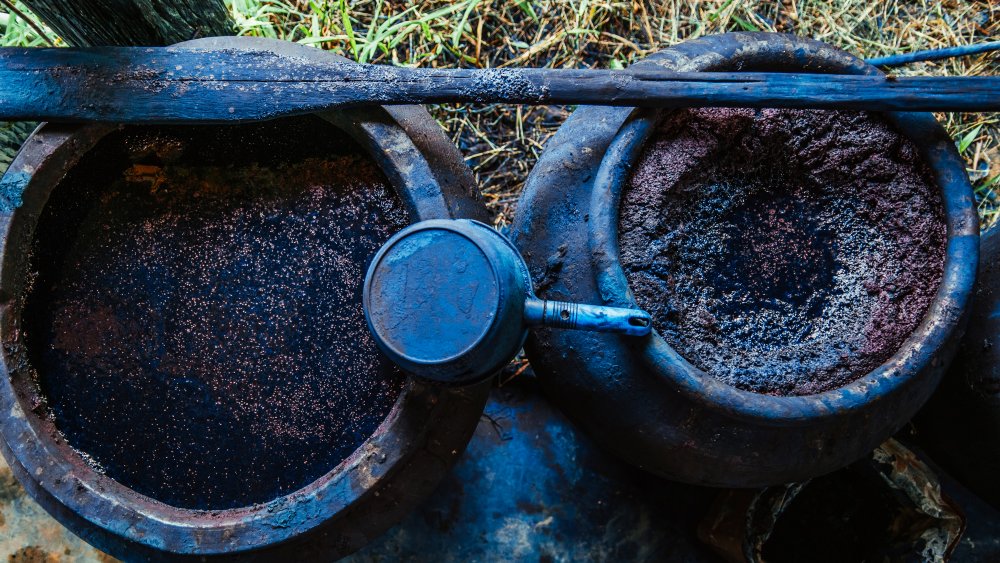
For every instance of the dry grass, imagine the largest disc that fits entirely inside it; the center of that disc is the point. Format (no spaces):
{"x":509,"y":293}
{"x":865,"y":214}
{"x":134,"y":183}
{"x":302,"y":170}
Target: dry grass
{"x":503,"y":142}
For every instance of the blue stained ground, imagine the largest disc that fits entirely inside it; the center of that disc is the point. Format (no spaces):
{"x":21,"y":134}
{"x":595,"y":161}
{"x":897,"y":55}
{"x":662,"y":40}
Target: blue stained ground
{"x":530,"y":487}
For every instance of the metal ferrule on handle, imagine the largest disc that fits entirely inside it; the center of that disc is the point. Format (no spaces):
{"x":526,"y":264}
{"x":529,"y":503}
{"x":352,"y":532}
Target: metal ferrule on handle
{"x":578,"y":316}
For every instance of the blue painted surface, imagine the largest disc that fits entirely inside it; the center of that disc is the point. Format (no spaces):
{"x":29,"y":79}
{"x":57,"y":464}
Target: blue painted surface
{"x":444,"y":299}
{"x":580,"y":316}
{"x":935,"y":54}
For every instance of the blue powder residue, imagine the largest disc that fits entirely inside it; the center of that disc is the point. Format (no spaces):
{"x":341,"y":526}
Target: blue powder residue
{"x":12,"y":187}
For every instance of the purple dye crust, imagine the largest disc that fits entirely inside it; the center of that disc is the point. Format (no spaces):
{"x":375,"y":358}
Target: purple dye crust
{"x":785,"y":252}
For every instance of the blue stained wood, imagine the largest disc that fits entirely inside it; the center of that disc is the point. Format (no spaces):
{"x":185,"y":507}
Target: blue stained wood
{"x":172,"y":85}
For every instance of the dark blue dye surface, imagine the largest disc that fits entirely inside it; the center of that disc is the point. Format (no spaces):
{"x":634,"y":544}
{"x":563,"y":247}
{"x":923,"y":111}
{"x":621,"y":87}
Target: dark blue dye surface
{"x":801,"y":265}
{"x":196,"y":317}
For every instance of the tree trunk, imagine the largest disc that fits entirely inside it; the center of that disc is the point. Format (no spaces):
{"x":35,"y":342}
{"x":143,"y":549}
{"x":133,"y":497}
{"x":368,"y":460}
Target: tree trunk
{"x":87,"y":23}
{"x":93,"y":23}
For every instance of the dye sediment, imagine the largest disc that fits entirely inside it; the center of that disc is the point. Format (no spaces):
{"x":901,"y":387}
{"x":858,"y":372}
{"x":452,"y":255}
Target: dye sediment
{"x":784,"y":252}
{"x":196,"y":316}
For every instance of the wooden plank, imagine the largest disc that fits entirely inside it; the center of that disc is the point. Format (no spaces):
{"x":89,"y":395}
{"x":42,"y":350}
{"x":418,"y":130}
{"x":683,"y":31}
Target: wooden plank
{"x":171,"y":85}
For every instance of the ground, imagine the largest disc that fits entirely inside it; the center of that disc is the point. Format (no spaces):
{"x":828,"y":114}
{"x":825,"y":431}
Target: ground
{"x":501,"y":143}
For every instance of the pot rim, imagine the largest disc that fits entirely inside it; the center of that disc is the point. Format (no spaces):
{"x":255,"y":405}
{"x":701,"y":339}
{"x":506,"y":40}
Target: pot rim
{"x":942,"y":316}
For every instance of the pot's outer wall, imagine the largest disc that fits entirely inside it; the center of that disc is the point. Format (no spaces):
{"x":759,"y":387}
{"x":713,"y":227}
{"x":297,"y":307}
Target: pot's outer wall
{"x":961,"y":422}
{"x":380,"y":483}
{"x":600,"y":380}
